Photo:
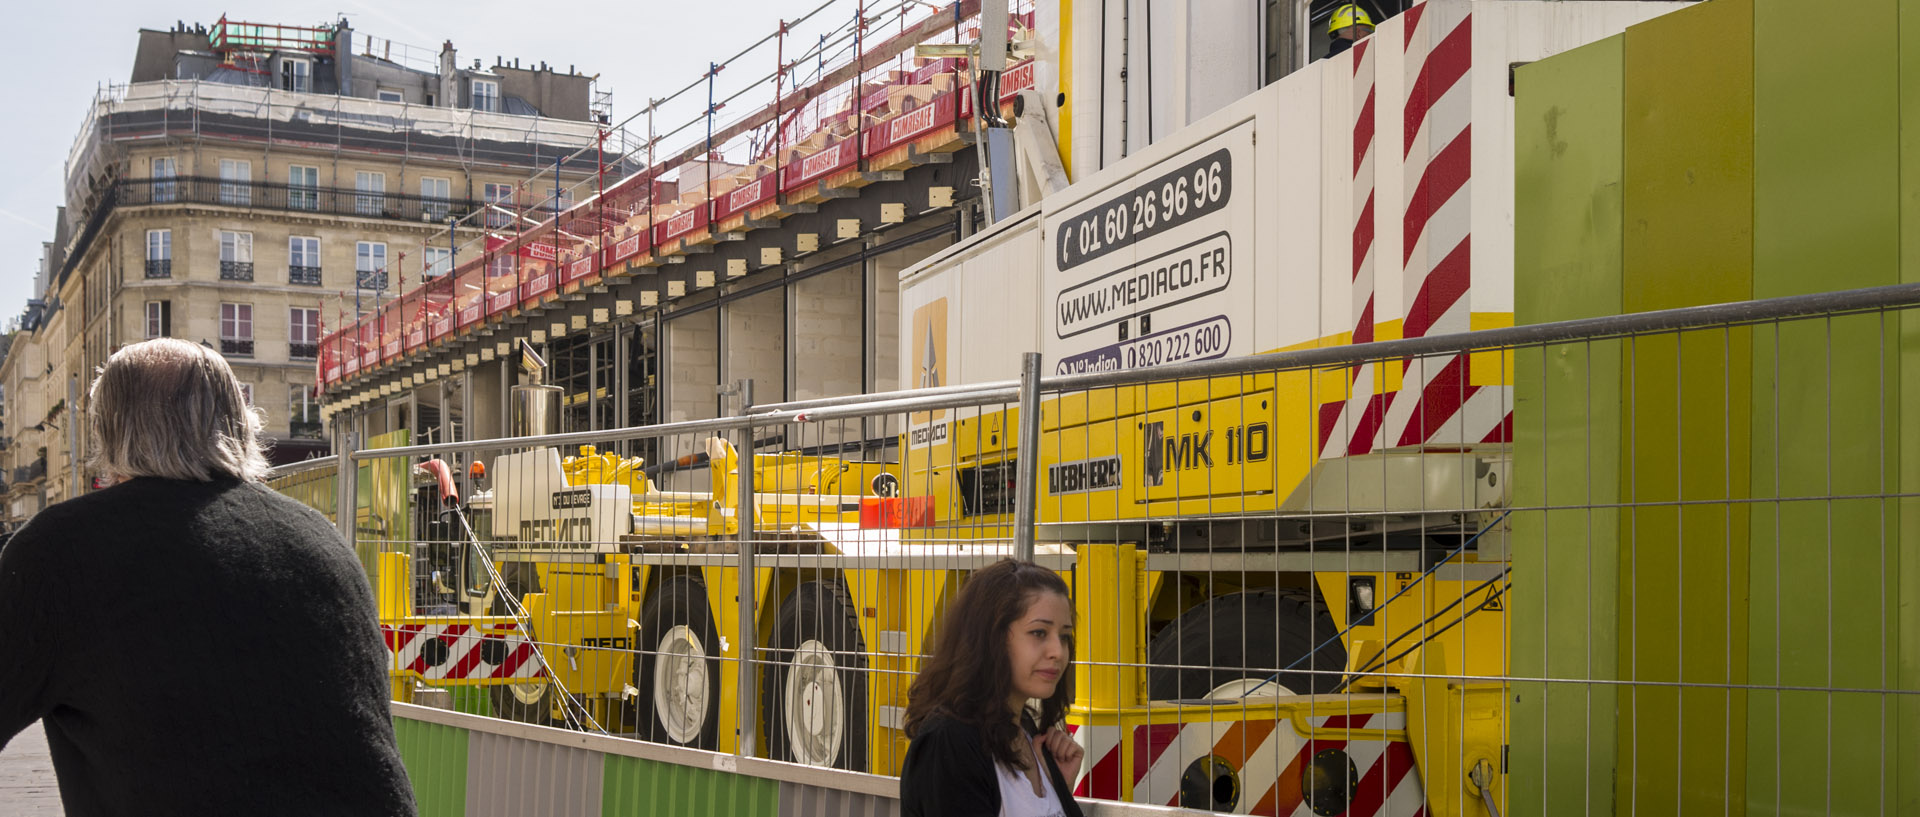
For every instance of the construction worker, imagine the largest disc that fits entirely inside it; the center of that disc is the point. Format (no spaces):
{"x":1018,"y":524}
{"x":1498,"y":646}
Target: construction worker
{"x":1349,"y":24}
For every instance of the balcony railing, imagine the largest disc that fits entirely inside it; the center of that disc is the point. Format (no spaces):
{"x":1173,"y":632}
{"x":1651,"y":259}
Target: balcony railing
{"x":236,"y":270}
{"x":29,"y":473}
{"x":305,"y":276}
{"x":237,"y":348}
{"x":159,"y":268}
{"x":301,"y":198}
{"x":303,"y":351}
{"x":304,"y":429}
{"x":370,"y":280}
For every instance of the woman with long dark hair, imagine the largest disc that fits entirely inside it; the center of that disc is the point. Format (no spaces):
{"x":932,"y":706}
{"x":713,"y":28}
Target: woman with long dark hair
{"x":985,"y":712}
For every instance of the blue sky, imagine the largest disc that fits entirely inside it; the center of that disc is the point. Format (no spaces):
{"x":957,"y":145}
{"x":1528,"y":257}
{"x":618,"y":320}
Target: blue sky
{"x":66,"y":51}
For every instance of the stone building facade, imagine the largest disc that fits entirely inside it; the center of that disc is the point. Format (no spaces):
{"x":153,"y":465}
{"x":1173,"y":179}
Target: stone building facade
{"x":241,"y":210}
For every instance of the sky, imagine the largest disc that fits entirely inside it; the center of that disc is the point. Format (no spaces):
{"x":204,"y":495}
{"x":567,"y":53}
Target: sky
{"x":70,"y":50}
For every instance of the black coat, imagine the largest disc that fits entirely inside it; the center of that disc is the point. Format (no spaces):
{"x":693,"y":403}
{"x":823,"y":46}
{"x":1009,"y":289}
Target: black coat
{"x":198,"y":648}
{"x":948,"y":772}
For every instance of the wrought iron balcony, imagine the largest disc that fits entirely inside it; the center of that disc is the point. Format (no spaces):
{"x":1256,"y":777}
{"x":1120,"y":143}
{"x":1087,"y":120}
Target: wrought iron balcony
{"x":236,"y":270}
{"x":305,"y":276}
{"x":301,"y":198}
{"x":371,"y":280}
{"x":303,"y":351}
{"x":29,"y":473}
{"x":305,"y":430}
{"x":236,"y":348}
{"x":159,"y":268}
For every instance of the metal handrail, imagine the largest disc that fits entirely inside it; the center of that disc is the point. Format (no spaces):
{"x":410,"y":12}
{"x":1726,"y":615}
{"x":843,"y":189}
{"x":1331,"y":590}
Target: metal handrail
{"x":303,"y":466}
{"x":1897,"y":296}
{"x":1662,"y":321}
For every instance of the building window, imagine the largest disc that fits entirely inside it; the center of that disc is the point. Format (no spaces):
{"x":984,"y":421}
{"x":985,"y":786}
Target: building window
{"x":486,"y":95}
{"x":296,"y":75}
{"x":500,"y":266}
{"x":159,"y":319}
{"x":389,"y":95}
{"x":439,"y":261}
{"x":236,"y":330}
{"x":500,"y":213}
{"x":370,"y":189}
{"x":165,"y":189}
{"x":303,"y":187}
{"x":434,"y":197}
{"x":246,"y":392}
{"x":236,"y":256}
{"x":303,"y":333}
{"x":370,"y":265}
{"x":303,"y":261}
{"x":236,"y":182}
{"x":303,"y":413}
{"x":159,"y":253}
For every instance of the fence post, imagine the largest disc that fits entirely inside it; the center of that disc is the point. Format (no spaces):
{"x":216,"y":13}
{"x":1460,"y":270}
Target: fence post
{"x":344,"y":502}
{"x":748,"y":720}
{"x":1028,"y":457}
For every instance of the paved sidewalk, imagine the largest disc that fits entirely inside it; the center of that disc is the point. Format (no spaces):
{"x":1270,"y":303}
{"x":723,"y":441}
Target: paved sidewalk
{"x":26,"y":776}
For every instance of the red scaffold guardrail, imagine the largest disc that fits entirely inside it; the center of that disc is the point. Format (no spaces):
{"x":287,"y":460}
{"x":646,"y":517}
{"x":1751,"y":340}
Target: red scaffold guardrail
{"x":868,"y":121}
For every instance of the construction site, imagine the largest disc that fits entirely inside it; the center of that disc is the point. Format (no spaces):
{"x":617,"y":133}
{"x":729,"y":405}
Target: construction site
{"x":1448,"y":408}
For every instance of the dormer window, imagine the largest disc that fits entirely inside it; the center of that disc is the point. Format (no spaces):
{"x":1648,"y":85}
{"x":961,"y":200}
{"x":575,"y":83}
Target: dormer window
{"x":486,"y":95}
{"x":296,"y":75}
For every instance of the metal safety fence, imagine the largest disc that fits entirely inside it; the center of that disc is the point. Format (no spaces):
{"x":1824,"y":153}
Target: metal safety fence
{"x":1642,"y":564}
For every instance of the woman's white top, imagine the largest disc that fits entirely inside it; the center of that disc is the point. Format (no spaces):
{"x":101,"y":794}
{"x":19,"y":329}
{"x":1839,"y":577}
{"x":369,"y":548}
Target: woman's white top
{"x":1017,"y":798}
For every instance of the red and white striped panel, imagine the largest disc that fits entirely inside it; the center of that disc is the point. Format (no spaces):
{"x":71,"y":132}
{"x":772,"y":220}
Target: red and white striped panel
{"x":1355,"y":421}
{"x":1389,"y":785}
{"x":1100,"y":771}
{"x":1254,"y":749}
{"x":465,"y":652}
{"x":1437,"y":402}
{"x":1271,"y":760}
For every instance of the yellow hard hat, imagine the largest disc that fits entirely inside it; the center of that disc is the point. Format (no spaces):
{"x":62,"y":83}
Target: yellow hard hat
{"x":1349,"y":14}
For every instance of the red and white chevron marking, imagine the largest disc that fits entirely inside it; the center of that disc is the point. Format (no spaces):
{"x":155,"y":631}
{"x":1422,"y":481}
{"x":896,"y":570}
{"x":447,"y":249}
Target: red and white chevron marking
{"x":1355,"y":421}
{"x":1100,"y":771}
{"x":465,"y":652}
{"x":1389,"y":785}
{"x":1438,"y":402}
{"x":1273,"y":763}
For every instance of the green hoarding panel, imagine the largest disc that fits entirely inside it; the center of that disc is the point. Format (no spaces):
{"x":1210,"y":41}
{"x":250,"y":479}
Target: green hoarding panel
{"x":1906,"y":429}
{"x":632,"y":787}
{"x":381,"y":518}
{"x":1825,"y":578}
{"x":436,"y":759}
{"x":1567,"y":265}
{"x":1688,"y":239}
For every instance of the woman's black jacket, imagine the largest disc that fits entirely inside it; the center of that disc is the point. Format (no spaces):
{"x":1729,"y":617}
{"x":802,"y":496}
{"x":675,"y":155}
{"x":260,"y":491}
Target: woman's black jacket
{"x":949,"y":773}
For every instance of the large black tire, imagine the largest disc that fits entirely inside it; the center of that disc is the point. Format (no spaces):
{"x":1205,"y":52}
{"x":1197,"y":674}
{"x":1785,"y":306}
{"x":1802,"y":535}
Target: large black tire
{"x":814,"y":690}
{"x":524,"y":703}
{"x":1247,"y":636}
{"x":676,"y":628}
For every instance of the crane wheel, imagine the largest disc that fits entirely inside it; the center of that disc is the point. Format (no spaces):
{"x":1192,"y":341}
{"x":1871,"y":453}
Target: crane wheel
{"x":521,"y":703}
{"x":1231,"y":646}
{"x":814,"y":690}
{"x":678,"y":668}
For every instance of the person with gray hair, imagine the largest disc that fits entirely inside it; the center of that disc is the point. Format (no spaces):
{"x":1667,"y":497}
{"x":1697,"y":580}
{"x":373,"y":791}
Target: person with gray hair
{"x":192,"y":641}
